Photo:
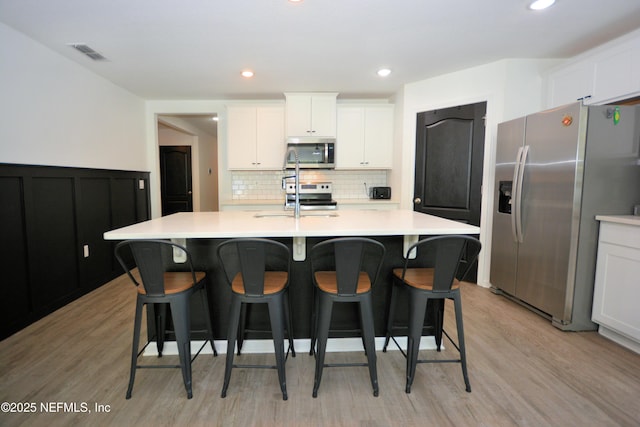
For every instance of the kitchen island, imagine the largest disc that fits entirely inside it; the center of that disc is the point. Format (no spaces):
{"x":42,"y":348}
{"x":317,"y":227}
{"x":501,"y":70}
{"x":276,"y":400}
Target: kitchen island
{"x":201,"y":232}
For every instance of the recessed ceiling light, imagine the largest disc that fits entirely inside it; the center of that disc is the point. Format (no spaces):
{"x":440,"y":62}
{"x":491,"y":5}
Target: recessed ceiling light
{"x":247,"y":73}
{"x":384,"y":72}
{"x":541,"y":4}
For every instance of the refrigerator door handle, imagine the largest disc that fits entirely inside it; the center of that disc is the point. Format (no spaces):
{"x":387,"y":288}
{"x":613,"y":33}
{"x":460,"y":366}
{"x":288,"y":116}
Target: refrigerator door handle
{"x":514,"y":196}
{"x":518,"y":207}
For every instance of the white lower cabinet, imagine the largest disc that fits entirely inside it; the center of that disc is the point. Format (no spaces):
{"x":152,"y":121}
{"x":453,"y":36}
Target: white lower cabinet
{"x":617,"y":285}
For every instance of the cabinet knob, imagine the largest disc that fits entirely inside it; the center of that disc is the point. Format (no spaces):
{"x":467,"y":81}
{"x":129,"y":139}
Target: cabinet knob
{"x":417,"y":200}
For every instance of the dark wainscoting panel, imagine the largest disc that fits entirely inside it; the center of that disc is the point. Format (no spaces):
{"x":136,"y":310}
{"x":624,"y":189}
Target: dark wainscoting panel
{"x":48,"y":215}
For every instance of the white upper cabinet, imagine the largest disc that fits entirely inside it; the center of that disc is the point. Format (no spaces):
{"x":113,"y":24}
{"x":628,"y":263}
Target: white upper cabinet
{"x":571,"y":83}
{"x":617,"y":73}
{"x":311,"y":114}
{"x":608,"y":74}
{"x":255,"y":136}
{"x":365,"y":136}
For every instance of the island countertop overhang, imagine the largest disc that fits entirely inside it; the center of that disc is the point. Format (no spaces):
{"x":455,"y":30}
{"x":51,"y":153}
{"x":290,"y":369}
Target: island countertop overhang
{"x":230,"y":224}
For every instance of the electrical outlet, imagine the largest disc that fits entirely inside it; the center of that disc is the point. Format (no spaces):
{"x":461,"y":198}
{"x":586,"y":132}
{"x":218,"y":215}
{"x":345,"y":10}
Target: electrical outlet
{"x":85,"y":249}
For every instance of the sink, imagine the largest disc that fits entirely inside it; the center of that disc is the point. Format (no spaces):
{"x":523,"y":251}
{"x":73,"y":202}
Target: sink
{"x":272,"y":215}
{"x":320,"y":214}
{"x":290,"y":215}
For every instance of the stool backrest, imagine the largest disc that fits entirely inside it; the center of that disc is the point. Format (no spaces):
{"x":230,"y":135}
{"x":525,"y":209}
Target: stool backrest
{"x":152,"y":258}
{"x":251,"y":257}
{"x":451,"y":256}
{"x":348,"y":256}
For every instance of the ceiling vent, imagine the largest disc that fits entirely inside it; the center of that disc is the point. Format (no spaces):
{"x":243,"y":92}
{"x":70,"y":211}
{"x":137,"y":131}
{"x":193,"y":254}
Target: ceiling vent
{"x":83,"y":48}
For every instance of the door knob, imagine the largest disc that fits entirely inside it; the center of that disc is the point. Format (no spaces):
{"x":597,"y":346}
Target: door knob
{"x":417,"y":200}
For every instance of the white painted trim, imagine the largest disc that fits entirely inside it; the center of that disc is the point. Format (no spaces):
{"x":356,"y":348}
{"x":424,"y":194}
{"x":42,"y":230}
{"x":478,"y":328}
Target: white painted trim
{"x":302,"y":345}
{"x":619,"y":338}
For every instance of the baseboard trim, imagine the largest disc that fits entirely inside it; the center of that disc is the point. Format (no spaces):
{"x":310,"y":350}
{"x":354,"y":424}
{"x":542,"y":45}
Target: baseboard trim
{"x":619,"y":338}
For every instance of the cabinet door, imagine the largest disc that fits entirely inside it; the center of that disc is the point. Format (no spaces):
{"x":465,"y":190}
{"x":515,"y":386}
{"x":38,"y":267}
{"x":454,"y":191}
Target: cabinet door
{"x":323,"y":115}
{"x":365,"y":137}
{"x":311,"y":115}
{"x":617,"y":74}
{"x":570,"y":84}
{"x":298,"y":115}
{"x":378,"y":137}
{"x":350,"y":137}
{"x":241,"y":137}
{"x":270,"y":144}
{"x":617,"y":291}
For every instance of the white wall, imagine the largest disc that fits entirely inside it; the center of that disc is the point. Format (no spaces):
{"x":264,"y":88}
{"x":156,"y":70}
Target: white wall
{"x":511,"y":88}
{"x":55,"y":112}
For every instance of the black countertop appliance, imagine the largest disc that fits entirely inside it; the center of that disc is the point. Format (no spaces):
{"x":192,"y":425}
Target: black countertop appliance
{"x":380,"y":192}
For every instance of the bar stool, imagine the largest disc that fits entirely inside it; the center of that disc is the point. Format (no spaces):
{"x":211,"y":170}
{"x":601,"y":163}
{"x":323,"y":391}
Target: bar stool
{"x":345,"y":270}
{"x":258,"y":271}
{"x":453,"y":257}
{"x":160,"y":287}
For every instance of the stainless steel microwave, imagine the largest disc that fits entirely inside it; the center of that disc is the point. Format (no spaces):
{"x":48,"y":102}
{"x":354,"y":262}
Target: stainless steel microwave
{"x":313,"y":153}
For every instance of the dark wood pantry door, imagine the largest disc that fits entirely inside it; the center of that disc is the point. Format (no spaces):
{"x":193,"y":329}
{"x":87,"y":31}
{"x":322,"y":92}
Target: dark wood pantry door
{"x":449,"y":163}
{"x":449,"y":157}
{"x":175,"y":171}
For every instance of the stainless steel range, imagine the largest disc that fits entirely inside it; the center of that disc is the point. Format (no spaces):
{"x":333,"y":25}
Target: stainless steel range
{"x":313,"y":196}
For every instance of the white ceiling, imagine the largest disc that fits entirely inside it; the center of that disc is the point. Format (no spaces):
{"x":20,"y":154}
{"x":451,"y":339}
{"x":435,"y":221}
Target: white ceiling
{"x":195,"y":49}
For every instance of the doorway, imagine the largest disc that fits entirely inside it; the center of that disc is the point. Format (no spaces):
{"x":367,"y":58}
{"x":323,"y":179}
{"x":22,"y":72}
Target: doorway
{"x":176,"y":183}
{"x":449,"y":164}
{"x":199,"y":132}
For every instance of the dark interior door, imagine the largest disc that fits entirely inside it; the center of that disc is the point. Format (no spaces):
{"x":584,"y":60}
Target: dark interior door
{"x":448,"y":169}
{"x":449,"y":157}
{"x":175,"y":171}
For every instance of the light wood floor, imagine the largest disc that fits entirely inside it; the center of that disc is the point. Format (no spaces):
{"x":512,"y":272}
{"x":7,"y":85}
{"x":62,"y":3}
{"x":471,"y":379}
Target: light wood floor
{"x":523,"y":372}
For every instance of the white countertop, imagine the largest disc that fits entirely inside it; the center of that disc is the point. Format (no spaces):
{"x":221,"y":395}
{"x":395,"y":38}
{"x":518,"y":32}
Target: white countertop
{"x":228,"y":224}
{"x":620,"y":219}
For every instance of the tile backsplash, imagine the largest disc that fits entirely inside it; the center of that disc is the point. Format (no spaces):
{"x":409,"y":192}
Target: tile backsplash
{"x":265,"y":185}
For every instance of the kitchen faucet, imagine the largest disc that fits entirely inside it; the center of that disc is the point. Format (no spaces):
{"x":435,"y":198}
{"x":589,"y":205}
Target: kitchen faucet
{"x":296,"y":176}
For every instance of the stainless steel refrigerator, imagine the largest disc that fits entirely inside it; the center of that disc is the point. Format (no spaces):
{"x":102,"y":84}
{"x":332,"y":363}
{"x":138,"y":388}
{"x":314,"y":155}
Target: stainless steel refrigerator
{"x":555,"y":171}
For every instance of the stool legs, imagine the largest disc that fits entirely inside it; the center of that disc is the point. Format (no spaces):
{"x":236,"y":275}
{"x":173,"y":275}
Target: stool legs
{"x":134,"y":346}
{"x":243,"y":323}
{"x":276,"y":306}
{"x":438,"y":318}
{"x":160,"y":314}
{"x":417,"y":309}
{"x":457,"y":303}
{"x":182,"y":327}
{"x":277,"y":313}
{"x":390,"y":315}
{"x":366,"y":319}
{"x":314,"y":321}
{"x":323,"y":320}
{"x":287,"y":308}
{"x":205,"y":310}
{"x":232,"y":331}
{"x":324,"y":309}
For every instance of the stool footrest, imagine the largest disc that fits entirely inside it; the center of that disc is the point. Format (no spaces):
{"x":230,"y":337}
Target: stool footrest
{"x":336,"y":365}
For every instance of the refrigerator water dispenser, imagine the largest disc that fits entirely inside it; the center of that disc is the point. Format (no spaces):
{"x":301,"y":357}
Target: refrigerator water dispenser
{"x":504,"y":200}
